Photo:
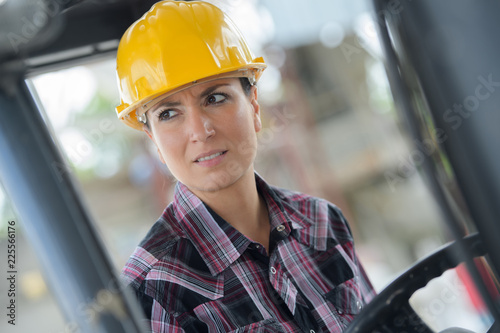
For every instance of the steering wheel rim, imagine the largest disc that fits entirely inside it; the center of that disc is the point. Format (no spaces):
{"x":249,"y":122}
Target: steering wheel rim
{"x":391,"y":301}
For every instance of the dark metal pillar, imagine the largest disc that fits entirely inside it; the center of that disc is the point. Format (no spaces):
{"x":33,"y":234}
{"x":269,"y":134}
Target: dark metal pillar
{"x":58,"y":226}
{"x":442,"y":61}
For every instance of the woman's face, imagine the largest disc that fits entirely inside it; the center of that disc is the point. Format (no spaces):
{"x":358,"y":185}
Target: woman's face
{"x":206,"y":134}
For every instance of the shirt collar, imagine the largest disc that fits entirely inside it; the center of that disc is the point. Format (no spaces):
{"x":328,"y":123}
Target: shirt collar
{"x":280,"y":213}
{"x":218,"y":243}
{"x":199,"y":226}
{"x":308,"y":222}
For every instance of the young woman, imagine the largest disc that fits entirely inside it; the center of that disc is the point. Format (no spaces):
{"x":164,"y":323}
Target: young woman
{"x":231,"y":253}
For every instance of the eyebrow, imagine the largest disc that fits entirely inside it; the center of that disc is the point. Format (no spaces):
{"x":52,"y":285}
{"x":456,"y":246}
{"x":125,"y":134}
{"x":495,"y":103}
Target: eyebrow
{"x":164,"y":104}
{"x":211,"y":89}
{"x":174,"y":103}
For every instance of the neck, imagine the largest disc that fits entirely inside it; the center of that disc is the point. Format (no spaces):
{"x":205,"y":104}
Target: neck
{"x":241,"y":206}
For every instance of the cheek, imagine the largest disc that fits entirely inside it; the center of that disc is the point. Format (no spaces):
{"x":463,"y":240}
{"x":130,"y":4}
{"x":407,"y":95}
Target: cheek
{"x":171,"y":150}
{"x":246,"y":121}
{"x":242,"y":127}
{"x":243,"y":130}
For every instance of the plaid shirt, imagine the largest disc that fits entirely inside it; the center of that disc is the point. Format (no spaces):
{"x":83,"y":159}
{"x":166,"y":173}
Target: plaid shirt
{"x":194,"y":272}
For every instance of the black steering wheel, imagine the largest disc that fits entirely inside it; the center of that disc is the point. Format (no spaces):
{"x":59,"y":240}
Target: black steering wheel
{"x":390,"y":311}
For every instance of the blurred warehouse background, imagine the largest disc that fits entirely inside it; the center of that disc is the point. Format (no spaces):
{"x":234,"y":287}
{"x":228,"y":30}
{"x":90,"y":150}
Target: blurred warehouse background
{"x":331,"y":130}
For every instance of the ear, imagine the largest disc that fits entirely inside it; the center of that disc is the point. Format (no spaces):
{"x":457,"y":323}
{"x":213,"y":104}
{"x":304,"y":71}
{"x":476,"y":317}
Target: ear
{"x":150,"y":135}
{"x":256,"y":109}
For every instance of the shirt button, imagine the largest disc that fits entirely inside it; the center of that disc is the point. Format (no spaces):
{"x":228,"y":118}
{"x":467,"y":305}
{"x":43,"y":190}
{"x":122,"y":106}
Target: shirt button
{"x":311,"y":331}
{"x":359,"y":305}
{"x":257,"y":246}
{"x":273,"y":270}
{"x":280,"y":228}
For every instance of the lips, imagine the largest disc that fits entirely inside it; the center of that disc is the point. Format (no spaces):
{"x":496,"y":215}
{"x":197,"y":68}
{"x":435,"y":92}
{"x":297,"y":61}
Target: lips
{"x":209,"y":155}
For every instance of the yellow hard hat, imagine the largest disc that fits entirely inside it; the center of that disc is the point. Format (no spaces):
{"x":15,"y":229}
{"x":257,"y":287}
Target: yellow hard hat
{"x":175,"y":45}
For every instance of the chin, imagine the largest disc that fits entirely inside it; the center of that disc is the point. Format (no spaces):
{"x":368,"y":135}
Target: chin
{"x":214,"y":182}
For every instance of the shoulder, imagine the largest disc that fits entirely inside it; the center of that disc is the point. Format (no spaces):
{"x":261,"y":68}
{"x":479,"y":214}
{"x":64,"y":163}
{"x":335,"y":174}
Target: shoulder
{"x":166,"y":270}
{"x":293,"y":198}
{"x":159,"y":242}
{"x":308,"y":204}
{"x":322,"y":215}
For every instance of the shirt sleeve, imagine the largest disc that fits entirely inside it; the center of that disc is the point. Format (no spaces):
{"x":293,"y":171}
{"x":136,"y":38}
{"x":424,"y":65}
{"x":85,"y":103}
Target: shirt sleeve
{"x":157,"y":319}
{"x":366,"y":288}
{"x":162,"y":321}
{"x":367,"y":292}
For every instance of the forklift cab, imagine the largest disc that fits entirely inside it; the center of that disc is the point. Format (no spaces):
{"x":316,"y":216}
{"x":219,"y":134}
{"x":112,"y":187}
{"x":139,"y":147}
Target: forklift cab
{"x":442,"y":64}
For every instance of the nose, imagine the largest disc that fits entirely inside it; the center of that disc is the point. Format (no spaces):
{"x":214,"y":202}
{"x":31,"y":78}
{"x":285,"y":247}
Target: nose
{"x":200,"y":126}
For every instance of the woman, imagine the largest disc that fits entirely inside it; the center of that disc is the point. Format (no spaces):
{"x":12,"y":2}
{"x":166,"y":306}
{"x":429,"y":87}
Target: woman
{"x":231,"y":252}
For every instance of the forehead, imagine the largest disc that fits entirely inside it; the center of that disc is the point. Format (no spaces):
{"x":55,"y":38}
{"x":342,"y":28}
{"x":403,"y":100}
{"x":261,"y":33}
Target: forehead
{"x":201,"y":89}
{"x":195,"y":92}
{"x":198,"y":88}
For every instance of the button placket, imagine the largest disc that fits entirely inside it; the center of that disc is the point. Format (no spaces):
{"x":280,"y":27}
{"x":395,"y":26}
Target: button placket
{"x":283,"y":286}
{"x":273,"y":262}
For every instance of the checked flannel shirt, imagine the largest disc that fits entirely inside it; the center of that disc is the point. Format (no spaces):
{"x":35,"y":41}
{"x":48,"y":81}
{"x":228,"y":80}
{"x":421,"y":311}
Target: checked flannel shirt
{"x":194,"y":272}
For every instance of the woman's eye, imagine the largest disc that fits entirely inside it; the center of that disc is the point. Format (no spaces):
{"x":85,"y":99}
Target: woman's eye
{"x":166,"y":114}
{"x":216,"y":98}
